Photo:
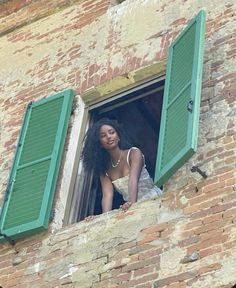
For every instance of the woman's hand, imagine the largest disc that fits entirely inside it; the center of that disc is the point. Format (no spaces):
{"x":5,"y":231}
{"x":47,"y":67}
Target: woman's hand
{"x":89,"y":218}
{"x":125,"y":206}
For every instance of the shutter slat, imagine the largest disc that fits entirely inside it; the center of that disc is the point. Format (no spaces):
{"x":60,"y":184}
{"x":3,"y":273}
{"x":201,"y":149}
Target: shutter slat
{"x":42,"y":131}
{"x":34,"y":162}
{"x":33,"y":177}
{"x":179,"y":126}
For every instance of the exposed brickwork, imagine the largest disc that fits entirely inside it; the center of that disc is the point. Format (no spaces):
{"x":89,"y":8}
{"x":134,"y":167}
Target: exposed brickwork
{"x":84,"y":43}
{"x":15,"y":14}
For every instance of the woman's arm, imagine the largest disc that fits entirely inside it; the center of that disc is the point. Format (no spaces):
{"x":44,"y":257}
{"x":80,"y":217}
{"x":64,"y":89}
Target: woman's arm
{"x":107,"y":193}
{"x":136,"y":163}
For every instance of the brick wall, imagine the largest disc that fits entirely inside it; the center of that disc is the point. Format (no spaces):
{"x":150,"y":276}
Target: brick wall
{"x":188,"y":238}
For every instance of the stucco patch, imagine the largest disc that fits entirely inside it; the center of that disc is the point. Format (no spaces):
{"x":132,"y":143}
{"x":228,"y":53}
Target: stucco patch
{"x":169,"y":264}
{"x":211,"y":122}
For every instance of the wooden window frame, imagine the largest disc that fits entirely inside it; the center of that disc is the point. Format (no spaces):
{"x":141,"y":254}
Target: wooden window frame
{"x":94,"y":97}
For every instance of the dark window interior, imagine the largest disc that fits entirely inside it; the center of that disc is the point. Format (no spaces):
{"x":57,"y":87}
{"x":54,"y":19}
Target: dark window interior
{"x":139,"y":112}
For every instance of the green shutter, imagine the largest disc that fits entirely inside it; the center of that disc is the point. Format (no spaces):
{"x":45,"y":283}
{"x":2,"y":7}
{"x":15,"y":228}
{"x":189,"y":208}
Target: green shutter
{"x":33,"y":177}
{"x":181,"y":104}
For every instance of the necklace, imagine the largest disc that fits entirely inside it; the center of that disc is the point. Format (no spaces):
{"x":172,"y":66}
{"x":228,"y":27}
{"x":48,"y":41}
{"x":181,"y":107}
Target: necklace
{"x":118,"y":161}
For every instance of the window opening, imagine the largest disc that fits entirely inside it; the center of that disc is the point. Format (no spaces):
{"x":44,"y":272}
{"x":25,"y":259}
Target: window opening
{"x":138,"y":111}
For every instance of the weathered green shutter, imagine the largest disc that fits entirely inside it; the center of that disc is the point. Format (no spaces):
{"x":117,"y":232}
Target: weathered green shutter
{"x":180,"y":113}
{"x":36,"y":165}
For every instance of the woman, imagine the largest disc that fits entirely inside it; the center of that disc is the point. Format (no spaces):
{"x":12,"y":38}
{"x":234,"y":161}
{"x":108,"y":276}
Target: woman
{"x":118,"y":164}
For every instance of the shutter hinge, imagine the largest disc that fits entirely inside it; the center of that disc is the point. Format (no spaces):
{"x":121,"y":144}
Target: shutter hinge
{"x":8,"y":189}
{"x":73,"y":108}
{"x":29,"y":104}
{"x":190,"y":106}
{"x":8,"y":239}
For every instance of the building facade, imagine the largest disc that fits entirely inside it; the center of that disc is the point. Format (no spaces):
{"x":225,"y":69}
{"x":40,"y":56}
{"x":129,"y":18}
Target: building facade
{"x":67,"y":63}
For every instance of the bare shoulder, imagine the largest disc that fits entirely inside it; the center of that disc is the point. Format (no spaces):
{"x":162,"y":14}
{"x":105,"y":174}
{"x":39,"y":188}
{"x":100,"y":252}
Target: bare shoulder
{"x":135,"y":151}
{"x":135,"y":154}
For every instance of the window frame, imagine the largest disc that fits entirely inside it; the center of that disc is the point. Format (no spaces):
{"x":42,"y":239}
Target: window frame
{"x":92,"y":98}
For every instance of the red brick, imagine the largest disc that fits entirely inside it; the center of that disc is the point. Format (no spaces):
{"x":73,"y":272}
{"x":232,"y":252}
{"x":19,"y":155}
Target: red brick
{"x":229,"y":213}
{"x":230,"y":160}
{"x":143,"y":271}
{"x":224,"y":169}
{"x":7,"y":270}
{"x":155,"y":228}
{"x":150,"y":253}
{"x":141,"y":264}
{"x":215,"y":151}
{"x":213,"y":186}
{"x":13,"y":281}
{"x":231,"y":181}
{"x":140,"y":249}
{"x":228,"y":139}
{"x":210,"y":203}
{"x":212,"y":218}
{"x":6,"y":263}
{"x":230,"y":146}
{"x":178,"y":278}
{"x":209,"y":268}
{"x":177,"y":285}
{"x":202,"y":205}
{"x":188,"y":241}
{"x":211,"y":235}
{"x":225,"y":154}
{"x":227,"y":190}
{"x":211,"y":195}
{"x":230,"y":244}
{"x":19,"y":272}
{"x":210,"y":251}
{"x":142,"y":280}
{"x":208,"y":243}
{"x":212,"y":210}
{"x":230,"y":197}
{"x":122,"y":277}
{"x":232,"y":98}
{"x":146,"y":285}
{"x":167,"y":233}
{"x":210,"y":227}
{"x":193,"y":224}
{"x":3,"y":279}
{"x":191,"y":209}
{"x":127,"y":245}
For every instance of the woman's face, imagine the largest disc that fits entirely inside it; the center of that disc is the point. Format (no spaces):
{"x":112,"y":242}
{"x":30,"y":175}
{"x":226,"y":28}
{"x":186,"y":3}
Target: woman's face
{"x":108,"y":137}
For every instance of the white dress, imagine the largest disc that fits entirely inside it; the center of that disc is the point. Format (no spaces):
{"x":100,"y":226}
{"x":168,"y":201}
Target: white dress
{"x":146,"y":187}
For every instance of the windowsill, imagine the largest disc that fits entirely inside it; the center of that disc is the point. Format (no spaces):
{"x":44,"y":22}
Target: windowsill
{"x":135,"y":212}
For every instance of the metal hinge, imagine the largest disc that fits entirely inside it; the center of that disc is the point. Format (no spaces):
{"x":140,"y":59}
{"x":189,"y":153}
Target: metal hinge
{"x":8,"y":239}
{"x":190,"y":106}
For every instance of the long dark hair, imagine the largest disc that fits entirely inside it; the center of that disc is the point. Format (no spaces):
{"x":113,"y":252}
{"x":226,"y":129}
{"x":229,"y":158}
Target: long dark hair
{"x":95,"y":157}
